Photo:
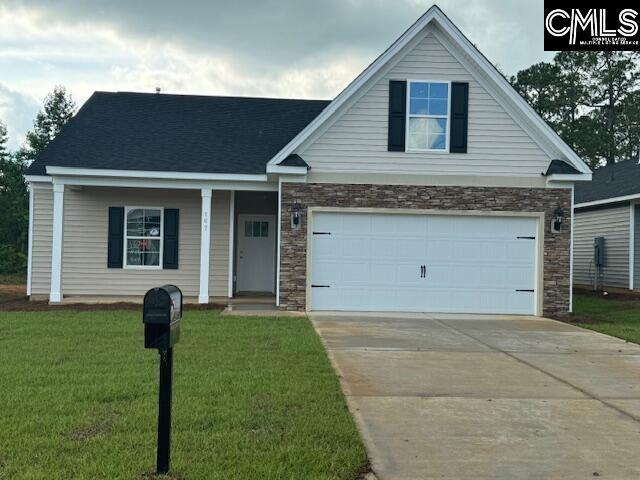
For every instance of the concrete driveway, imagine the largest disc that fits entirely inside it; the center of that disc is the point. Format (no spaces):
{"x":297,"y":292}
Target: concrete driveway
{"x":487,"y":397}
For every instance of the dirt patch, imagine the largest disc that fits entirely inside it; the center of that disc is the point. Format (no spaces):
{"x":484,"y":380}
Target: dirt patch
{"x":24,"y":305}
{"x":12,"y":292}
{"x":101,"y":427}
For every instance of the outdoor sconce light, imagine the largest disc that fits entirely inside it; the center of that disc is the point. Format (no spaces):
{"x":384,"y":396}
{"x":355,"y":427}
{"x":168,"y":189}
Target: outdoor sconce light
{"x":296,"y":214}
{"x":557,"y":221}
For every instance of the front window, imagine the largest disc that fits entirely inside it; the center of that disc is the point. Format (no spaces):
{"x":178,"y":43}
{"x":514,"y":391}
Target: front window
{"x":428,"y":116}
{"x":143,"y":237}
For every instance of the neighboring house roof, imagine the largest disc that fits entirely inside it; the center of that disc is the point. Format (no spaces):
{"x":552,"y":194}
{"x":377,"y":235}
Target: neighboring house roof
{"x":611,"y":182}
{"x":179,"y":133}
{"x":507,"y":93}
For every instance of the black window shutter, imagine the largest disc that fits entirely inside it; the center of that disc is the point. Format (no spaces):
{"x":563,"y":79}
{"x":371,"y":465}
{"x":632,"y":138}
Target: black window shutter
{"x":397,"y":115}
{"x":170,"y":240}
{"x":115,"y":247}
{"x":459,"y":117}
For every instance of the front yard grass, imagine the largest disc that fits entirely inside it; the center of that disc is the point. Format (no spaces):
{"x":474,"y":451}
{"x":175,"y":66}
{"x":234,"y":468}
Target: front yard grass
{"x":254,"y":398}
{"x":614,"y":315}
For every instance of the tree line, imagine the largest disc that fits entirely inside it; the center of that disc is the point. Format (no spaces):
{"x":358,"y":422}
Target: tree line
{"x":591,"y":99}
{"x":58,"y":107}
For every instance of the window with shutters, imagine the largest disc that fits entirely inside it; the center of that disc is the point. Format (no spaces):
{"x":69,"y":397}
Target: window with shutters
{"x":143,"y":237}
{"x":428,"y":105}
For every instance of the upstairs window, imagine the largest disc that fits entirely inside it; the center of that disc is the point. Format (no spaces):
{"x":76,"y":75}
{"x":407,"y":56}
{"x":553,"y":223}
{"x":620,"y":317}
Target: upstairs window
{"x":428,"y":116}
{"x":143,"y":238}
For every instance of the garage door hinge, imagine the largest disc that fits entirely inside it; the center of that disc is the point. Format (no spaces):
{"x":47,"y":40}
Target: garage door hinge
{"x":524,"y":290}
{"x":322,"y":233}
{"x":526,"y":238}
{"x":320,"y":286}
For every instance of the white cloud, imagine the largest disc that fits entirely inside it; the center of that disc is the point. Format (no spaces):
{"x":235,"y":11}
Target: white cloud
{"x":17,"y":110}
{"x":291,"y":48}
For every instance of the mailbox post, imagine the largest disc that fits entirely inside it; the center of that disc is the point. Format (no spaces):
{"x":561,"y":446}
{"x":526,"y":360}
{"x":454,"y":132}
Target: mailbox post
{"x":161,"y":316}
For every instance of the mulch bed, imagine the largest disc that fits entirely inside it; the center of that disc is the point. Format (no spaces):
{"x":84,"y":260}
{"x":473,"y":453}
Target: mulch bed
{"x":611,"y":295}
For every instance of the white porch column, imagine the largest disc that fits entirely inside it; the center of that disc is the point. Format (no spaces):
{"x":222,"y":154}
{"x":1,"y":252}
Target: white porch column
{"x":205,"y":239}
{"x":55,"y":294}
{"x":30,"y":240}
{"x":232,"y":213}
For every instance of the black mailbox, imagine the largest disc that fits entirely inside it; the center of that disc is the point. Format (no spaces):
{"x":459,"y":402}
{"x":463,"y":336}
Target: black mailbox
{"x":161,"y":315}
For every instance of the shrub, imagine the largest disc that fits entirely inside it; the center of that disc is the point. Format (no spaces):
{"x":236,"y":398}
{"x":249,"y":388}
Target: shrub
{"x":12,"y":260}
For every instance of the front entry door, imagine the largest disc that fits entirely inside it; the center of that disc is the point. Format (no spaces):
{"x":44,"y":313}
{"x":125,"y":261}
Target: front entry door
{"x":256,"y":253}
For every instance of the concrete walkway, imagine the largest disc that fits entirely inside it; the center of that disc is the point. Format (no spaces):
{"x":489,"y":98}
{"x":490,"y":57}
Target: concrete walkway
{"x":487,"y":397}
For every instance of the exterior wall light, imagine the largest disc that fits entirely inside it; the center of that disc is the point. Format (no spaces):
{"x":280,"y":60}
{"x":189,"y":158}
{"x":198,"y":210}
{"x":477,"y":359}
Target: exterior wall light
{"x":557,"y":221}
{"x":296,"y":215}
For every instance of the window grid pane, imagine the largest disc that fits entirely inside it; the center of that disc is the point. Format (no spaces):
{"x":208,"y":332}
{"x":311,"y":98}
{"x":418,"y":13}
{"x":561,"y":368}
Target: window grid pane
{"x":143,"y":237}
{"x":428,"y":115}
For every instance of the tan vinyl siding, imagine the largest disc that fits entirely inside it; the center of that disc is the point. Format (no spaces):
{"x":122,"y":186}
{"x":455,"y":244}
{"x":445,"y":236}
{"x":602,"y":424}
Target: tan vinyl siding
{"x":42,"y":236}
{"x":84,"y":264}
{"x":357,"y":140}
{"x":613,"y":225}
{"x":219,"y":252}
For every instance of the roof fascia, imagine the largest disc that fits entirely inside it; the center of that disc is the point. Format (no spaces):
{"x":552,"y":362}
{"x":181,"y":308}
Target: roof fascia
{"x":37,"y":178}
{"x":608,"y":200}
{"x":118,"y":182}
{"x":569,"y":177}
{"x":144,"y":174}
{"x":286,"y":170}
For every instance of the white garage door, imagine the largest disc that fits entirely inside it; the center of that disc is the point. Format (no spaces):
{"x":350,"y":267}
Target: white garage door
{"x":423,"y":263}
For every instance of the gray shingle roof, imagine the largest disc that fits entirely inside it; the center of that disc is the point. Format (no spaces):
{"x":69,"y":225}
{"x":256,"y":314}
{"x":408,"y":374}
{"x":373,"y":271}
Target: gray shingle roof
{"x":178,"y":133}
{"x":560,"y":167}
{"x":294,"y":160}
{"x":616,"y":180}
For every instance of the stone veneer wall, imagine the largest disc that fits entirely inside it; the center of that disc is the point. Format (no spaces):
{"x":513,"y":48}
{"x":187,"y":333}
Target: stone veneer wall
{"x":294,"y":243}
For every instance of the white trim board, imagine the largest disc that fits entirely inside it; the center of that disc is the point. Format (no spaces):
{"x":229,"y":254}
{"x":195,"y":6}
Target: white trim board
{"x":604,"y":201}
{"x":435,"y":15}
{"x":162,"y":183}
{"x":97,"y":172}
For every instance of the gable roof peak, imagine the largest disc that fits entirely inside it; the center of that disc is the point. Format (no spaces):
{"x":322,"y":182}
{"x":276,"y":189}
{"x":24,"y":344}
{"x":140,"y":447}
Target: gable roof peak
{"x":437,"y":16}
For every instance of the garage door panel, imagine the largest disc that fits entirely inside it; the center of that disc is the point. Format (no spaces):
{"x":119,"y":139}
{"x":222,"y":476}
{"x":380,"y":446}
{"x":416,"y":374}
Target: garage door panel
{"x":473,"y":263}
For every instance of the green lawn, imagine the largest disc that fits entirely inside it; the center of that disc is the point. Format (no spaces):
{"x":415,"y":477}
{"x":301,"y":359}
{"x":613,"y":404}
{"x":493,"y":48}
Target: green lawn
{"x":254,"y":398}
{"x":614,"y":316}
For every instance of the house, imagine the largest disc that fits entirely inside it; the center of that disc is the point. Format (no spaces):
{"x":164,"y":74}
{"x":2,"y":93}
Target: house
{"x":427,"y":185}
{"x":605,"y":208}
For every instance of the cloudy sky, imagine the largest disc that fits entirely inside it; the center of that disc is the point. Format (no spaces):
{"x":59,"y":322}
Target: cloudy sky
{"x":289,"y":48}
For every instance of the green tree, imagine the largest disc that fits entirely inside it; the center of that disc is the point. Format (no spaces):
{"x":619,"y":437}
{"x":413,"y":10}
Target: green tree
{"x":4,"y":139}
{"x":590,"y":99}
{"x":58,"y":108}
{"x":13,"y":205}
{"x":613,"y":78}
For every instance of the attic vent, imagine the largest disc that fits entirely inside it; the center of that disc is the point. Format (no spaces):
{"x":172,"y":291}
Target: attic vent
{"x":158,"y":89}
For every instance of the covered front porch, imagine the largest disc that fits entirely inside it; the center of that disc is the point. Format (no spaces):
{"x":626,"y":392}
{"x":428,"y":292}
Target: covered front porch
{"x":224,"y":240}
